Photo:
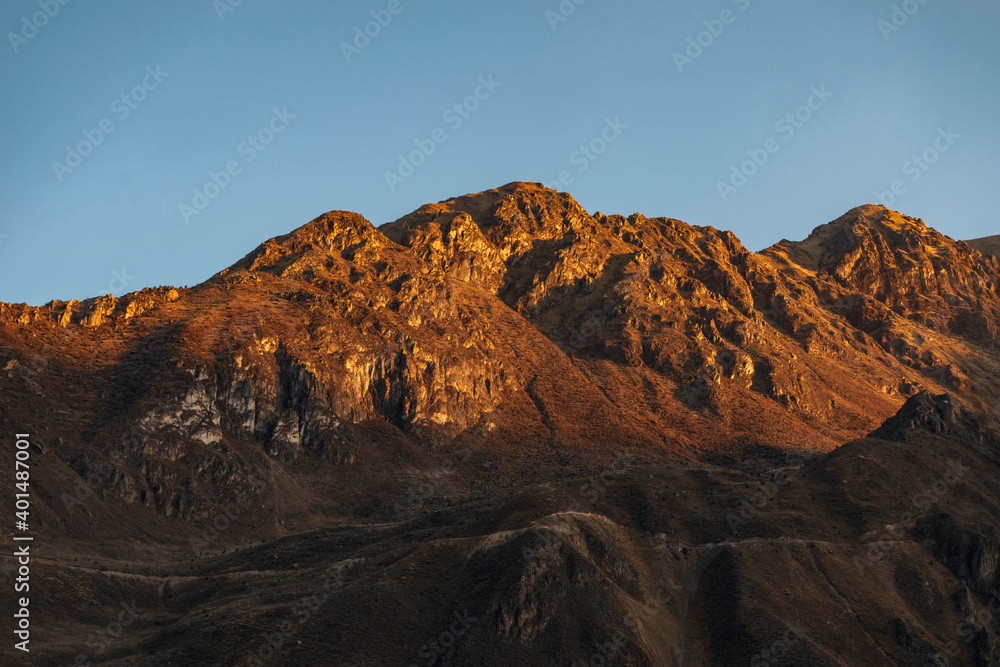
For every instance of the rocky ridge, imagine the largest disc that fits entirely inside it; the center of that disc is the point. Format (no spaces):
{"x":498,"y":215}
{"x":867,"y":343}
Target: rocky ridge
{"x":563,"y":415}
{"x":505,"y":316}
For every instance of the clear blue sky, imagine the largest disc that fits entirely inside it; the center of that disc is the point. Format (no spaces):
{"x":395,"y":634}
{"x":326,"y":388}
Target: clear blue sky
{"x":68,"y":229}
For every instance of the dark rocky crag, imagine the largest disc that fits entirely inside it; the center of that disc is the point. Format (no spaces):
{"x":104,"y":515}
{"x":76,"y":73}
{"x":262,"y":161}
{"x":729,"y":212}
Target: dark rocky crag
{"x":629,"y":438}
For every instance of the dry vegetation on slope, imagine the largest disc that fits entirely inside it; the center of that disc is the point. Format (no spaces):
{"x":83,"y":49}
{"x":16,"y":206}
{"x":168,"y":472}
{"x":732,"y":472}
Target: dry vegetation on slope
{"x":442,"y":406}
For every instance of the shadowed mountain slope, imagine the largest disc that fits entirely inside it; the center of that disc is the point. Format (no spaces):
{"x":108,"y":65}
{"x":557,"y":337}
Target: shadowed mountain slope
{"x":504,"y":407}
{"x":988,"y":245}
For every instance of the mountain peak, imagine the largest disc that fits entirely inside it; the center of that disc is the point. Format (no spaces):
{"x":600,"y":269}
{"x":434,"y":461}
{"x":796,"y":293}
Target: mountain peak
{"x":568,"y":403}
{"x":876,"y":219}
{"x":474,"y":237}
{"x":829,"y":244}
{"x":924,"y":412}
{"x":899,"y":261}
{"x":332,"y":232}
{"x":516,"y":209}
{"x":873,"y":239}
{"x":518,"y":294}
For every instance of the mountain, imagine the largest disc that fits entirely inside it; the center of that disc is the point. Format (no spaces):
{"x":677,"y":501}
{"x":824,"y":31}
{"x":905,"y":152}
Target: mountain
{"x":511,"y":422}
{"x":988,"y":245}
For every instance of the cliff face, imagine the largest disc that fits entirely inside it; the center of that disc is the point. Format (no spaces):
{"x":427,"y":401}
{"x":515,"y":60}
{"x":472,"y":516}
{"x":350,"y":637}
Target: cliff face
{"x":840,"y":327}
{"x":463,"y":378}
{"x":918,"y":273}
{"x":508,"y":316}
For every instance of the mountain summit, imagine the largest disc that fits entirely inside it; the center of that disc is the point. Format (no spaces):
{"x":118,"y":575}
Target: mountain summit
{"x":907,"y":266}
{"x":505,"y":405}
{"x":516,"y":306}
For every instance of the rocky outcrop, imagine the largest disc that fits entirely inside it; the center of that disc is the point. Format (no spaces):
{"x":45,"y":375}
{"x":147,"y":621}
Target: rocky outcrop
{"x":429,"y":409}
{"x":106,"y":310}
{"x":915,"y":271}
{"x":514,"y":306}
{"x":935,"y":414}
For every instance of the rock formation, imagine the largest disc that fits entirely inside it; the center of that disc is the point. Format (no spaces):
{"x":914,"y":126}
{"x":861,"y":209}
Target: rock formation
{"x":599,"y":435}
